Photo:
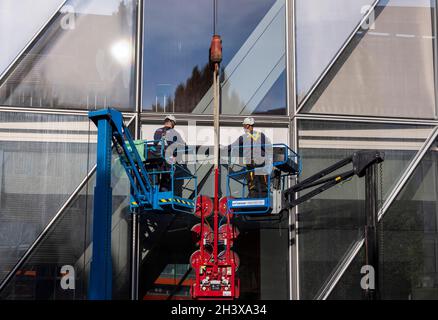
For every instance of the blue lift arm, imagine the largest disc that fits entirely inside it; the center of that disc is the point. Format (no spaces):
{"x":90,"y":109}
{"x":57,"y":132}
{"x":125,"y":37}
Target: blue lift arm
{"x":111,"y":129}
{"x":145,"y":194}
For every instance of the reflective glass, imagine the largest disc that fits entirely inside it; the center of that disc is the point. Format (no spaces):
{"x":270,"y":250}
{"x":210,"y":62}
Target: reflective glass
{"x":408,"y":254}
{"x":19,"y":22}
{"x":322,"y":28}
{"x":331,"y":222}
{"x":177,"y":77}
{"x":167,"y":244}
{"x":65,"y":245}
{"x":69,"y":243}
{"x":349,"y":286}
{"x":387,"y":69}
{"x":43,"y":159}
{"x":84,"y":59}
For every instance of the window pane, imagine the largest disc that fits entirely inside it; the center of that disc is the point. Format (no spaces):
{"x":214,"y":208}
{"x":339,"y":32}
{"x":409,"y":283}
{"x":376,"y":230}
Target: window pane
{"x":349,"y":287}
{"x":65,"y":245}
{"x":322,"y":27}
{"x":261,"y":246}
{"x":43,"y":159}
{"x":387,"y":70}
{"x":19,"y":22}
{"x":177,"y":77}
{"x":409,"y":257}
{"x":83,"y":60}
{"x":332,"y":221}
{"x":69,"y":243}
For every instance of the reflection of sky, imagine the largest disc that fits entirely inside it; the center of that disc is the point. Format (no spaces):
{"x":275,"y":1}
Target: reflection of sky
{"x":178,"y":35}
{"x":20,"y":20}
{"x":276,"y":97}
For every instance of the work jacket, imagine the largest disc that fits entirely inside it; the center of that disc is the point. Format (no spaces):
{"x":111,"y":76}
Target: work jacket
{"x":252,"y":148}
{"x":170,"y":136}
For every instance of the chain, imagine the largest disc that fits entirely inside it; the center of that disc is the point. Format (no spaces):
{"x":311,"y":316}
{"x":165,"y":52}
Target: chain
{"x":382,"y":245}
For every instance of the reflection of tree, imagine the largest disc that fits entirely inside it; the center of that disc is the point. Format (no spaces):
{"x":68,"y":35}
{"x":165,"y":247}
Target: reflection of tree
{"x":187,"y":95}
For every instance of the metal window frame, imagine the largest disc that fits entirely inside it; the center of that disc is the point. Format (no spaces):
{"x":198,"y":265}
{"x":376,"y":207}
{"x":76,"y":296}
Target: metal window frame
{"x":135,"y":222}
{"x":382,"y":120}
{"x":293,"y":254}
{"x":62,"y":112}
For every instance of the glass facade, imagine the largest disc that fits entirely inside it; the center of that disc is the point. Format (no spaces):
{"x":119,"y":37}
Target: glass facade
{"x":176,"y":73}
{"x":388,"y":67}
{"x":333,"y":221}
{"x":30,"y":16}
{"x":407,"y":242}
{"x":68,"y":243}
{"x":322,"y":28}
{"x":43,"y":159}
{"x":83,"y":59}
{"x":364,"y":77}
{"x":262,"y":246}
{"x":408,"y":237}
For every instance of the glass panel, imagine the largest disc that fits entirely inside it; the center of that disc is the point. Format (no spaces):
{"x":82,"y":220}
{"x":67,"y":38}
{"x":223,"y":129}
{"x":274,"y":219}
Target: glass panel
{"x":322,"y":28}
{"x":388,"y":69}
{"x":262,"y":246}
{"x":177,"y":77}
{"x":333,"y":220}
{"x":348,"y":287}
{"x":19,"y":22}
{"x":83,"y":60}
{"x":43,"y":158}
{"x":69,"y":243}
{"x":409,"y":242}
{"x":65,"y":245}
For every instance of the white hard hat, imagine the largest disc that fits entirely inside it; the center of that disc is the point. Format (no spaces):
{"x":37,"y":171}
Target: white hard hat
{"x":249,"y":121}
{"x":170,"y":117}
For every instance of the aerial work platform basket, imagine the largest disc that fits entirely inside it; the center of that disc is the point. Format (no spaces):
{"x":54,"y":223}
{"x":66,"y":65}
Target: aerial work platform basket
{"x":278,"y":164}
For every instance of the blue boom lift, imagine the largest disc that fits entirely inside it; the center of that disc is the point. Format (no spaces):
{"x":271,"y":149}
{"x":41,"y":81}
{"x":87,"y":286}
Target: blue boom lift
{"x":279,"y":163}
{"x":143,"y":171}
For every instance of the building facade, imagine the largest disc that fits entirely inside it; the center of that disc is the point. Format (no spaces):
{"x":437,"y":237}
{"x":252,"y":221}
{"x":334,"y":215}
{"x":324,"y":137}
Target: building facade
{"x":328,"y":78}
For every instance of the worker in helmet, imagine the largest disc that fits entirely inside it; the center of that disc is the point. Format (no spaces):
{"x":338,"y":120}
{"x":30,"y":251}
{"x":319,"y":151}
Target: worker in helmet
{"x":255,"y":149}
{"x":167,"y":132}
{"x":174,"y":145}
{"x":170,"y":137}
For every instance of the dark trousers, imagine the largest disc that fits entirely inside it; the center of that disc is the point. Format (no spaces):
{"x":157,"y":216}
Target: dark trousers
{"x":165,"y":180}
{"x":257,"y":183}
